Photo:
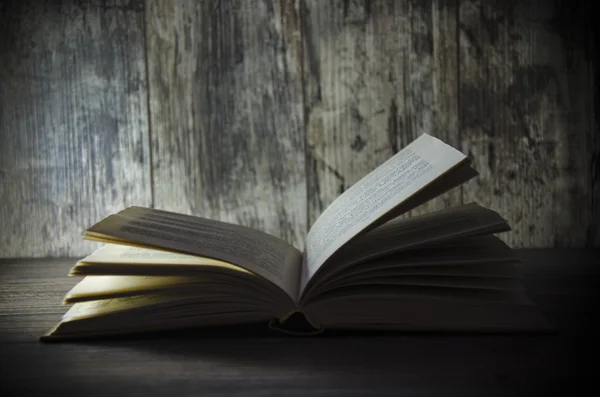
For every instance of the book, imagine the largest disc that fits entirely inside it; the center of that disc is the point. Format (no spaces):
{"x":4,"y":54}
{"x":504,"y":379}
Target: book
{"x":365,"y":265}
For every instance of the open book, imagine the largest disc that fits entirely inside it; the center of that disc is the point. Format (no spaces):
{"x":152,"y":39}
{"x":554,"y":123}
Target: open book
{"x":364,"y":266}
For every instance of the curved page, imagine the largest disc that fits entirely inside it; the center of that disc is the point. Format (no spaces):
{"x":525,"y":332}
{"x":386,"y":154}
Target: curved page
{"x":261,"y":253}
{"x":406,"y":173}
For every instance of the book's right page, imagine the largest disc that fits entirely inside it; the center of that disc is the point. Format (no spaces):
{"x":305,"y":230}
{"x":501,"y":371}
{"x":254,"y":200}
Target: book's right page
{"x":406,"y":173}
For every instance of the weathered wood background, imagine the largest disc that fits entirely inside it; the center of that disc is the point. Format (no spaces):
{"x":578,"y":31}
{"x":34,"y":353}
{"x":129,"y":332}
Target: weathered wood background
{"x":261,"y":112}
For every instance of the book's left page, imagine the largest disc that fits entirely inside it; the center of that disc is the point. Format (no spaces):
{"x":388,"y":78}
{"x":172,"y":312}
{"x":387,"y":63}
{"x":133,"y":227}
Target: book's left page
{"x":116,"y":270}
{"x":262,"y":254}
{"x":115,"y":259}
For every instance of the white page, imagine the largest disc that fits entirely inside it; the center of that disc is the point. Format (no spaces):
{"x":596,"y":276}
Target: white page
{"x":400,"y":177}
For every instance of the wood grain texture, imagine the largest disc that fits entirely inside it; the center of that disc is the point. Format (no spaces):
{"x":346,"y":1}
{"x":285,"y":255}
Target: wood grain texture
{"x":262,"y":113}
{"x":526,"y":118}
{"x":73,"y":121}
{"x":226,"y":112}
{"x":245,"y":360}
{"x":377,"y":75}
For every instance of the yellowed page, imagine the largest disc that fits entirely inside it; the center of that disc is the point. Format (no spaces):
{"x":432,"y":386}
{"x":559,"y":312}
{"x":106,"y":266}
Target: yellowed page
{"x":159,"y":307}
{"x":396,"y":180}
{"x":131,"y":256}
{"x":260,"y":253}
{"x":101,"y":307}
{"x":101,"y":285}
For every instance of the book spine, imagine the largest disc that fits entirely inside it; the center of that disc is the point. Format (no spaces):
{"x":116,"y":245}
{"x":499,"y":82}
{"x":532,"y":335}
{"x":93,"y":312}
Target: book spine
{"x":303,"y":313}
{"x":303,"y":327}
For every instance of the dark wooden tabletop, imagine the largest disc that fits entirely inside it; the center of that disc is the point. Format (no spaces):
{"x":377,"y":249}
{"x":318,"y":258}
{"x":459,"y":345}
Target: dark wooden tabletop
{"x":251,"y":361}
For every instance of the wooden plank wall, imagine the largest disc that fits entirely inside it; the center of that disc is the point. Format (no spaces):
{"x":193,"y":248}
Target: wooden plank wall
{"x":73,"y":122}
{"x":227,"y":129}
{"x":526,"y":118}
{"x":261,"y":112}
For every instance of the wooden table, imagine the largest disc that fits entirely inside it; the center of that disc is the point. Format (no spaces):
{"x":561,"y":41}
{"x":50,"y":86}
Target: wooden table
{"x":251,"y":361}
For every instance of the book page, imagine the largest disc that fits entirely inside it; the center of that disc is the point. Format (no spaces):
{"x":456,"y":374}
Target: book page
{"x":451,"y":228}
{"x":396,"y":180}
{"x":208,"y":288}
{"x":135,"y":256}
{"x":98,"y":287}
{"x":263,"y":254}
{"x":101,"y":307}
{"x":396,"y":250}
